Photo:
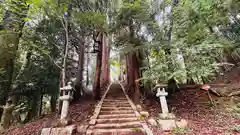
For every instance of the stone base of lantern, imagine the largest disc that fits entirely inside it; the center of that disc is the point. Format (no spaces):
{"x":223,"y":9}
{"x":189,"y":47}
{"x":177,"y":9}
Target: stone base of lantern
{"x":69,"y":130}
{"x":166,"y":116}
{"x":170,"y":124}
{"x":65,"y":122}
{"x":2,"y":130}
{"x":167,"y":125}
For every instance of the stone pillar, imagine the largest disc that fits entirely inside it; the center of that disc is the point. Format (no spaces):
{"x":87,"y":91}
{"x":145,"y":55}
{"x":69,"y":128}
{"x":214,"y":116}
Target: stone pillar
{"x":162,"y":95}
{"x":66,"y":98}
{"x":65,"y":106}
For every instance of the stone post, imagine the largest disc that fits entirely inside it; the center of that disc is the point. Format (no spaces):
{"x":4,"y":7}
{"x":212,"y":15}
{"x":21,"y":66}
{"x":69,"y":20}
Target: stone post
{"x":162,"y":95}
{"x":66,"y":98}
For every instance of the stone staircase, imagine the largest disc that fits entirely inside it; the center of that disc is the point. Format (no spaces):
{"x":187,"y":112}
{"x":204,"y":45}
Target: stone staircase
{"x":116,"y":115}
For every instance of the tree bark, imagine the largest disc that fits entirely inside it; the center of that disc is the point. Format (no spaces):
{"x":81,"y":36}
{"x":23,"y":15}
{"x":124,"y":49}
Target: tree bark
{"x":64,"y":65}
{"x":105,"y":62}
{"x":130,"y":75}
{"x":96,"y":85}
{"x":136,"y":76}
{"x":25,"y":65}
{"x":78,"y":86}
{"x":87,"y":71}
{"x":53,"y":102}
{"x":64,"y":60}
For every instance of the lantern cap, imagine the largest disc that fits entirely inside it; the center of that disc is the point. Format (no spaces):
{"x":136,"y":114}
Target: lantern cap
{"x":67,"y":88}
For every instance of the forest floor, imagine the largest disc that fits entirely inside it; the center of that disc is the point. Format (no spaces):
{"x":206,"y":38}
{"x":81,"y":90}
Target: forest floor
{"x":80,"y":113}
{"x":202,"y":117}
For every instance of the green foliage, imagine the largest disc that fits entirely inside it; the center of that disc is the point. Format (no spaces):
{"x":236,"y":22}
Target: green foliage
{"x":236,"y":128}
{"x":1,"y":13}
{"x":90,"y":19}
{"x":180,"y":130}
{"x":136,"y":11}
{"x":193,"y":36}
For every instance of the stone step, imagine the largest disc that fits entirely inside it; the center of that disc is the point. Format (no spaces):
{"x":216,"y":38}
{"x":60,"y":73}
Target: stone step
{"x":116,"y":105}
{"x":116,"y":116}
{"x":123,"y":131}
{"x":119,"y":97}
{"x":114,"y":99}
{"x":117,"y":112}
{"x":115,"y":108}
{"x":117,"y":120}
{"x":113,"y":102}
{"x":134,"y":124}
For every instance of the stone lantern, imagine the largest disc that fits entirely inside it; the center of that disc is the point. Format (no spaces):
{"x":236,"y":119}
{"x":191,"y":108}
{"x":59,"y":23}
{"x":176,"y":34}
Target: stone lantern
{"x":162,"y":94}
{"x":66,"y":98}
{"x":166,"y":120}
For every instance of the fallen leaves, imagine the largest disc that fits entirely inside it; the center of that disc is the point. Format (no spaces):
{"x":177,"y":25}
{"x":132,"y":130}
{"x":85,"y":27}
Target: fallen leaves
{"x":202,"y":119}
{"x":79,"y":112}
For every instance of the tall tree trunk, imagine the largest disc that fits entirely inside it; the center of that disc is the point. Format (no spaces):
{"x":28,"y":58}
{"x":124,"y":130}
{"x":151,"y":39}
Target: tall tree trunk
{"x":33,"y":108}
{"x":64,"y":65}
{"x":64,"y":60}
{"x":130,"y":73}
{"x":87,"y":70}
{"x":127,"y":68}
{"x":132,"y":67}
{"x":105,"y":62}
{"x":25,"y":65}
{"x":96,"y":86}
{"x":53,"y":103}
{"x":78,"y":87}
{"x":108,"y":66}
{"x":136,"y":75}
{"x":41,"y":104}
{"x":13,"y":24}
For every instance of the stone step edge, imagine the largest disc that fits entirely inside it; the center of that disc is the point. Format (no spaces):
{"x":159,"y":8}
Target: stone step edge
{"x":118,"y":119}
{"x":125,"y":130}
{"x":116,"y":115}
{"x":110,"y":103}
{"x":114,"y":108}
{"x":106,"y":99}
{"x":118,"y":125}
{"x":117,"y":112}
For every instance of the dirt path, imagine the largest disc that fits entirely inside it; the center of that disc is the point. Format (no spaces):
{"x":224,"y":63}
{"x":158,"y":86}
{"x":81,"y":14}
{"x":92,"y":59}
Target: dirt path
{"x":116,"y":115}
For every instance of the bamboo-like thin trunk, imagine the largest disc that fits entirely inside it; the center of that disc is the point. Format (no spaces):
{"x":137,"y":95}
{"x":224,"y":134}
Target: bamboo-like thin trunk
{"x":63,"y":80}
{"x":64,"y":61}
